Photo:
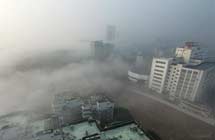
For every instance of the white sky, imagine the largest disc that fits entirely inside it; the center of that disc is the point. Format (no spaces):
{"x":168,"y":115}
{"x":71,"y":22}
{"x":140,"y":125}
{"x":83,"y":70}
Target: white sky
{"x":43,"y":23}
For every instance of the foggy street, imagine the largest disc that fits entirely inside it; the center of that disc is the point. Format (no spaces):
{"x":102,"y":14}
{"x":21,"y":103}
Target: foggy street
{"x":167,"y":121}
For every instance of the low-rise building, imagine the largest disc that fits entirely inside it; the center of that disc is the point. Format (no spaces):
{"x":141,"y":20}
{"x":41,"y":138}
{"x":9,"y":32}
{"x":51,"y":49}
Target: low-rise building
{"x":67,"y":109}
{"x":90,"y":131}
{"x":104,"y":111}
{"x":87,"y":111}
{"x":138,"y":72}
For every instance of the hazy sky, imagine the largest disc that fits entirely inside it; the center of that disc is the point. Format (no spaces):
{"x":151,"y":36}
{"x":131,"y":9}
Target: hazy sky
{"x":43,"y":23}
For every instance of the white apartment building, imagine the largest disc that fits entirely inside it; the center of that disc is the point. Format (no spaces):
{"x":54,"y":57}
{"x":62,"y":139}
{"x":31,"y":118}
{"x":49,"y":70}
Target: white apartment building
{"x":158,"y":74}
{"x":194,"y":81}
{"x":186,"y":76}
{"x":173,"y":78}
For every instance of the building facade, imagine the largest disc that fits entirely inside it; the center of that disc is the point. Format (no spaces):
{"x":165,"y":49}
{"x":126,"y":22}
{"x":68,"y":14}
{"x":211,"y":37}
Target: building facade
{"x":101,"y":51}
{"x":158,"y":75}
{"x":138,"y":72}
{"x":194,"y":81}
{"x":173,"y":78}
{"x":186,"y":76}
{"x":190,"y":52}
{"x":105,"y":111}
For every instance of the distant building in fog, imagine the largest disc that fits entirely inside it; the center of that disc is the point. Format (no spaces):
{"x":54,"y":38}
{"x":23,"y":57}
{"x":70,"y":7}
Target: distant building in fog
{"x":137,"y":72}
{"x":110,"y":33}
{"x":101,"y":51}
{"x":191,"y":51}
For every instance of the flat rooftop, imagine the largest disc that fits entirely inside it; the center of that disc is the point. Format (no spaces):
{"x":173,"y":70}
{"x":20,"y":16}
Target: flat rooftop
{"x":202,"y":66}
{"x":80,"y":130}
{"x":84,"y":129}
{"x":127,"y":132}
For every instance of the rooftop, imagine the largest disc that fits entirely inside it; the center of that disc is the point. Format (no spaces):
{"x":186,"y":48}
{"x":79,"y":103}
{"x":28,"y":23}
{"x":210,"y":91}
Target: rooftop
{"x":81,"y":130}
{"x":127,"y":132}
{"x":202,"y":66}
{"x":89,"y":129}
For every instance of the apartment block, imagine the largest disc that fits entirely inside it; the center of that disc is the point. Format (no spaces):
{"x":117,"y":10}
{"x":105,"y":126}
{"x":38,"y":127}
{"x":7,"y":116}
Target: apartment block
{"x":191,"y":52}
{"x":186,"y":76}
{"x":173,"y":78}
{"x":194,"y":81}
{"x":158,"y":74}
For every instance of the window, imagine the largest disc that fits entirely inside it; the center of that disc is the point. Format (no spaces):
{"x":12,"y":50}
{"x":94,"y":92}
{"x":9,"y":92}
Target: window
{"x":161,"y":62}
{"x":158,"y":66}
{"x":159,"y":70}
{"x":157,"y":81}
{"x":158,"y":74}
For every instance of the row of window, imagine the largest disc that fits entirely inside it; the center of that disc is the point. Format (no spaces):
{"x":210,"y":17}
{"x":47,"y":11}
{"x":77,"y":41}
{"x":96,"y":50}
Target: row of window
{"x":158,"y":74}
{"x":156,"y":77}
{"x":156,"y":85}
{"x":159,"y":70}
{"x":155,"y":88}
{"x":158,"y":66}
{"x":161,"y":62}
{"x":157,"y":81}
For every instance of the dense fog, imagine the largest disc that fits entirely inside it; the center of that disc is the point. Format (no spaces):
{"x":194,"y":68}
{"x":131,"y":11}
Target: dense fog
{"x":42,"y":53}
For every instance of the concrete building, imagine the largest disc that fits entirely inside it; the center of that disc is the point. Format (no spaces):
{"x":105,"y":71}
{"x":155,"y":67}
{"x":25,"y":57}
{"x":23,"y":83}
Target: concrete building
{"x":91,"y":131}
{"x":101,"y":51}
{"x":98,"y":108}
{"x":172,"y":78}
{"x":195,"y":81}
{"x":191,"y":52}
{"x":186,"y":76}
{"x":158,"y":75}
{"x":104,"y":111}
{"x":189,"y":82}
{"x":138,"y":72}
{"x":67,"y":109}
{"x":87,"y":111}
{"x":110,"y":33}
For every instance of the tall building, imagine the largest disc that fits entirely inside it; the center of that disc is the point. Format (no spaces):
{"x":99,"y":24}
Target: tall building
{"x":190,"y":52}
{"x":101,"y":51}
{"x":194,"y":81}
{"x":110,"y":33}
{"x":186,"y":76}
{"x":173,"y":78}
{"x":159,"y":70}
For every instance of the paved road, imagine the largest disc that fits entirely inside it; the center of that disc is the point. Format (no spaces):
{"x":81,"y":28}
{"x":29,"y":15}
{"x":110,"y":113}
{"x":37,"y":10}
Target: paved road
{"x":206,"y":120}
{"x":159,"y":116}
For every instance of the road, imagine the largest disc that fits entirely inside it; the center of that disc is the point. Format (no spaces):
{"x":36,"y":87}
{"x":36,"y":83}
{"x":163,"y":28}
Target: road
{"x":206,"y":120}
{"x":164,"y":119}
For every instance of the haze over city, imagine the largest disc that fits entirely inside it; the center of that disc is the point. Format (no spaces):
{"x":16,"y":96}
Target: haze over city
{"x":49,"y":23}
{"x":51,"y":47}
